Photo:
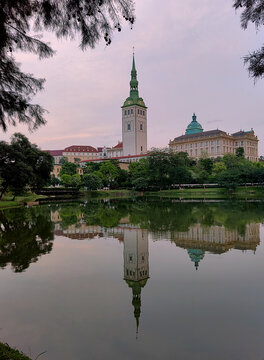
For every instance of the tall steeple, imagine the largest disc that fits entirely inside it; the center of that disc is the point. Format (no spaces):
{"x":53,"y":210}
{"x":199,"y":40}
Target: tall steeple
{"x":134,"y":81}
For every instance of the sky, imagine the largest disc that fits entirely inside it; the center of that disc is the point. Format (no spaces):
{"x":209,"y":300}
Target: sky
{"x":189,"y":58}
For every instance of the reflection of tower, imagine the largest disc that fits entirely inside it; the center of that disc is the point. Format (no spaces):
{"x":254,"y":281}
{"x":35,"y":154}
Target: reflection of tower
{"x":196,"y":255}
{"x":136,"y":265}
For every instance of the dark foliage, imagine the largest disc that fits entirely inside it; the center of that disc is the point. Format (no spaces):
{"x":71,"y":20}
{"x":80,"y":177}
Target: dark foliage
{"x":90,"y":20}
{"x":253,"y":11}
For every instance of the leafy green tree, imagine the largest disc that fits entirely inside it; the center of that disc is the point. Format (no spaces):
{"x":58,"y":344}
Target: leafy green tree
{"x":90,"y":167}
{"x":66,"y":180}
{"x":207,"y":165}
{"x":54,"y":180}
{"x":218,"y":169}
{"x":240,"y":152}
{"x":140,"y":184}
{"x":253,"y":12}
{"x":92,"y":181}
{"x":110,"y":172}
{"x":76,"y":180}
{"x":88,"y":20}
{"x":139,"y":169}
{"x":23,"y":164}
{"x":230,"y":179}
{"x":68,"y":168}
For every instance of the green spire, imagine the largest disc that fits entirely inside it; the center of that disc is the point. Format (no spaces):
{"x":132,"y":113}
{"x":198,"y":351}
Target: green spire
{"x":134,"y":98}
{"x":133,"y":81}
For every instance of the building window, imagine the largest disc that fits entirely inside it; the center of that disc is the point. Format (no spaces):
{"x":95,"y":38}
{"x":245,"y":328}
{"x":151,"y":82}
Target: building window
{"x":132,"y":112}
{"x":141,"y":148}
{"x":181,"y":147}
{"x":143,"y":112}
{"x":128,"y":112}
{"x":138,"y":111}
{"x":125,"y":112}
{"x":128,"y":127}
{"x":206,"y":143}
{"x":218,"y":149}
{"x":212,"y":142}
{"x":218,"y":142}
{"x":186,"y":146}
{"x":196,"y":145}
{"x":201,"y":144}
{"x":141,"y":127}
{"x":191,"y":145}
{"x":242,"y":143}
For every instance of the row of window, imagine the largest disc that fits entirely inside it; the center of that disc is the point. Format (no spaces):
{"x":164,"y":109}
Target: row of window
{"x":213,"y":142}
{"x":131,"y":112}
{"x":129,"y":127}
{"x":79,"y":154}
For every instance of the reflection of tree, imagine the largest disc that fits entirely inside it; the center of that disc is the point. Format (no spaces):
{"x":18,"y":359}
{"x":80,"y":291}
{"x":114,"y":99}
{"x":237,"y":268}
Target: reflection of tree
{"x":158,"y":215}
{"x":70,"y":214}
{"x":25,"y":234}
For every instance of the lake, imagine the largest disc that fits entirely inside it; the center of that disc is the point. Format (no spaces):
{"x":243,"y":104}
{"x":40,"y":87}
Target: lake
{"x":134,"y":279}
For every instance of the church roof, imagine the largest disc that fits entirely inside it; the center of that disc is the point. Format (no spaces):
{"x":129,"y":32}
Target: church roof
{"x":118,"y":146}
{"x":134,"y":98}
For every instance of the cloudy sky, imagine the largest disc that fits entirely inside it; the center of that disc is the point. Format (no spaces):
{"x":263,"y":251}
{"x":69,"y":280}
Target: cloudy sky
{"x":188,"y":57}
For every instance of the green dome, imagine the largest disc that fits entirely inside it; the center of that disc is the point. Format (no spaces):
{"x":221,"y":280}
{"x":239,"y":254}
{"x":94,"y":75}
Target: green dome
{"x":134,"y":101}
{"x":194,"y":127}
{"x":196,"y":255}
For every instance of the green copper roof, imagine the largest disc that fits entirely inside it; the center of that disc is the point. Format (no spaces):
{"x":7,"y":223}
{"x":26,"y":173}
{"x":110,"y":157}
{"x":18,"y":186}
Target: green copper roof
{"x":194,"y":127}
{"x":134,"y":98}
{"x":196,"y":255}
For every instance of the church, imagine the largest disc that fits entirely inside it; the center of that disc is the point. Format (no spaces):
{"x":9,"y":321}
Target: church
{"x":134,"y":123}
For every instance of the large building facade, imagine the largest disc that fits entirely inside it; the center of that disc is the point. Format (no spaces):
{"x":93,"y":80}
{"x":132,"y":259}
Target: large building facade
{"x":214,"y":143}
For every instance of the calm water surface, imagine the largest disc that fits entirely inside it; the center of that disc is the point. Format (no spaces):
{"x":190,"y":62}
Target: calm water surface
{"x":134,"y":279}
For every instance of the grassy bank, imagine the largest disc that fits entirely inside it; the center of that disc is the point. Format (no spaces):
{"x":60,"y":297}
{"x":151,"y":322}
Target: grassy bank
{"x":212,"y":193}
{"x":8,"y":202}
{"x":7,"y":353}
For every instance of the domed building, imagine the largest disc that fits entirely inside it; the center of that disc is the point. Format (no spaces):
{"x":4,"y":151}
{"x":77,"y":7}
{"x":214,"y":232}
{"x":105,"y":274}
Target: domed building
{"x":194,"y":127}
{"x":214,"y":143}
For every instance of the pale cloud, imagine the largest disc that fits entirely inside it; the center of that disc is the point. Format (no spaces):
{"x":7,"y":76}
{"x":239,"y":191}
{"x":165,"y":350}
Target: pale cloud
{"x":189,"y":59}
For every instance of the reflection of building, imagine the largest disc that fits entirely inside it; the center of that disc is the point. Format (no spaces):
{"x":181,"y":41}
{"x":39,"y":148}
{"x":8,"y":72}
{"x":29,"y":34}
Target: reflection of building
{"x":136,"y":265}
{"x":214,"y":143}
{"x":216,"y":239}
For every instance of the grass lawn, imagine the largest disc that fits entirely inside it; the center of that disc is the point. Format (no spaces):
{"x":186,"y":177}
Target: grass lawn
{"x":7,"y":201}
{"x":7,"y":353}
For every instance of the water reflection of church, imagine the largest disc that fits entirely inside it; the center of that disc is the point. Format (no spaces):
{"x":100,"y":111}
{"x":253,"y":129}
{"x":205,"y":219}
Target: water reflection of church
{"x":197,"y":241}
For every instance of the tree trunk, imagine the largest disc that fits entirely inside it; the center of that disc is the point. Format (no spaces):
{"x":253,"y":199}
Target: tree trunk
{"x":3,"y":191}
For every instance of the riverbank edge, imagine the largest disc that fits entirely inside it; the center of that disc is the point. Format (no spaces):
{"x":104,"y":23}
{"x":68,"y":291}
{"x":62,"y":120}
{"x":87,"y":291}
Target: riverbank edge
{"x":211,"y":193}
{"x":8,"y":353}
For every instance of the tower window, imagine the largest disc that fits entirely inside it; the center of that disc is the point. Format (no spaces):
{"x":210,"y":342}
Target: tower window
{"x":128,"y":127}
{"x":141,"y":148}
{"x":141,"y":126}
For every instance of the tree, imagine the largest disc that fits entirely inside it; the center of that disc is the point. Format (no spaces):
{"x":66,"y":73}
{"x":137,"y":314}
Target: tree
{"x":206,"y":164}
{"x":253,"y":11}
{"x":23,"y":164}
{"x":89,"y":20}
{"x":76,"y":180}
{"x":240,"y":152}
{"x":92,"y":181}
{"x":66,"y":180}
{"x":68,"y":168}
{"x":109,"y":170}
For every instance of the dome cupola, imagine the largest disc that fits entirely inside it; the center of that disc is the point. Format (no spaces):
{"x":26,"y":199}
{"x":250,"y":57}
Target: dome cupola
{"x":194,"y":127}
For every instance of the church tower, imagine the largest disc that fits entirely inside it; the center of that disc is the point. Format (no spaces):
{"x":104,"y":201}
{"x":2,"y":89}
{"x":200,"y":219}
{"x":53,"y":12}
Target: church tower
{"x":134,"y":119}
